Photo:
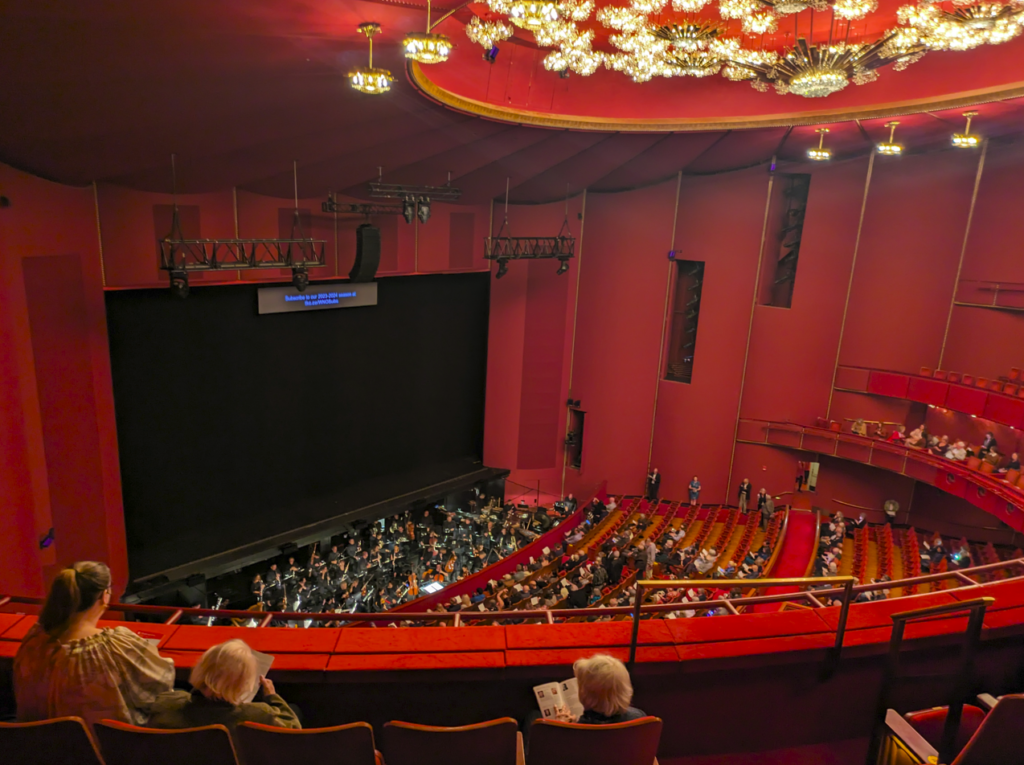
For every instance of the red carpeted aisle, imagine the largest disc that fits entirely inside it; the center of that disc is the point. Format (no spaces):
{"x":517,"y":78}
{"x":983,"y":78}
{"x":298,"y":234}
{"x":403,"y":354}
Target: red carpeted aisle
{"x":851,"y":752}
{"x":800,"y":544}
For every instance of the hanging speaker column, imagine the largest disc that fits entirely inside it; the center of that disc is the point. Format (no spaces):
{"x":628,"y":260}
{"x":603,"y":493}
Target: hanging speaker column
{"x":367,"y":254}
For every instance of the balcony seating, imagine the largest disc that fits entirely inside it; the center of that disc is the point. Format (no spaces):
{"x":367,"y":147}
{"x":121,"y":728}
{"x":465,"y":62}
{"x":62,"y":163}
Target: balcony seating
{"x":629,"y":743}
{"x":124,"y":744}
{"x":61,"y":741}
{"x":941,"y":374}
{"x":342,"y":745}
{"x":967,"y":380}
{"x":994,"y":738}
{"x":496,"y":742}
{"x":927,"y":371}
{"x":930,"y":722}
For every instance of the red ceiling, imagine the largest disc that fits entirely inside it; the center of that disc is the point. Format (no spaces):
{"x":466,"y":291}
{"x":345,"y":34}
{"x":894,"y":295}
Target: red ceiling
{"x":240,"y":88}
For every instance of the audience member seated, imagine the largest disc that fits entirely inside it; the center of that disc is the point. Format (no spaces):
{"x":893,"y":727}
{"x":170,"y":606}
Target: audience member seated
{"x":879,"y":431}
{"x":898,"y":436}
{"x":605,"y":691}
{"x":859,"y":427}
{"x":223,"y":681}
{"x":939,"y":447}
{"x":67,"y":666}
{"x":918,"y":437}
{"x":957,"y":452}
{"x":1014,"y":464}
{"x":988,"y":444}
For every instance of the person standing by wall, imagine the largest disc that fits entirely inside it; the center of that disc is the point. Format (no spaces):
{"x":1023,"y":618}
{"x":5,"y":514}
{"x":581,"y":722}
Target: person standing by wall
{"x":744,"y":495}
{"x":653,"y":484}
{"x":694,"y":492}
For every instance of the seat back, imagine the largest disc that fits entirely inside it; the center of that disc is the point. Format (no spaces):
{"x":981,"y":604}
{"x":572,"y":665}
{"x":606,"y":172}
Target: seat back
{"x":996,"y":739}
{"x":931,"y":722}
{"x":487,"y":743}
{"x":342,"y":745}
{"x":953,"y":377}
{"x":927,"y":371}
{"x":124,"y":744}
{"x":628,"y":743}
{"x":61,"y":741}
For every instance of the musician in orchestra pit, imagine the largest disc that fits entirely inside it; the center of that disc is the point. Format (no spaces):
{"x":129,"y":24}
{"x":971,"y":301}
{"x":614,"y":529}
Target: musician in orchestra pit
{"x":333,"y":556}
{"x":293,"y":569}
{"x":257,"y":587}
{"x":273,"y":578}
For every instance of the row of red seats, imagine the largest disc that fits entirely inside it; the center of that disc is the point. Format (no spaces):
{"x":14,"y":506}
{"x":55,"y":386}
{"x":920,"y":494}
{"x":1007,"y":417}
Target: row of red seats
{"x":885,"y":547}
{"x":911,"y":550}
{"x":860,"y":554}
{"x":1009,"y":384}
{"x":753,"y":524}
{"x":728,"y":528}
{"x":68,"y":741}
{"x":706,"y":529}
{"x":634,"y":508}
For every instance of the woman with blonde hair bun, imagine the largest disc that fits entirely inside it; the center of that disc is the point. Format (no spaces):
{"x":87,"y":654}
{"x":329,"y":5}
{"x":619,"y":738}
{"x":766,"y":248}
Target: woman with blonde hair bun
{"x":223,"y":682}
{"x":68,"y":666}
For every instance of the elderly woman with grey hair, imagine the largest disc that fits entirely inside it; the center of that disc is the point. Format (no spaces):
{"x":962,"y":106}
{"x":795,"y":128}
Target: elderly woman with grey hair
{"x":223,"y":681}
{"x":605,"y":692}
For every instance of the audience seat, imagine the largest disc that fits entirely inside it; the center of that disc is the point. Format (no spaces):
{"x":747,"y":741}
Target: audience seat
{"x":987,"y":467}
{"x":981,"y":382}
{"x":927,"y":371}
{"x":994,"y":738}
{"x":342,"y":745}
{"x":1010,"y":388}
{"x":124,"y":744}
{"x":940,"y":374}
{"x":996,"y":385}
{"x":953,"y":377}
{"x":61,"y":741}
{"x":496,"y":742}
{"x":967,"y":380}
{"x":973,"y":463}
{"x":1014,"y":374}
{"x":1012,"y":476}
{"x":929,"y":723}
{"x":629,"y":743}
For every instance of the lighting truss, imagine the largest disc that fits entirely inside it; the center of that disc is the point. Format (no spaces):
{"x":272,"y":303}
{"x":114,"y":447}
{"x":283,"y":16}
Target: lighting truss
{"x":529,"y":247}
{"x":380,"y":190}
{"x":334,"y":206}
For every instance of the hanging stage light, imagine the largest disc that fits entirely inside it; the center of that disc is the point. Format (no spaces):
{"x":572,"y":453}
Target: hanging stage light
{"x":408,"y":210}
{"x":502,"y":269}
{"x":179,"y":284}
{"x":367,"y":79}
{"x":890,"y":147}
{"x":300,"y":278}
{"x":423,"y":210}
{"x":967,"y":140}
{"x":563,"y":266}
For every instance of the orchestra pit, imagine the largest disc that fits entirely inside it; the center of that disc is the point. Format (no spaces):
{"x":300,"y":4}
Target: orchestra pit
{"x":512,"y":382}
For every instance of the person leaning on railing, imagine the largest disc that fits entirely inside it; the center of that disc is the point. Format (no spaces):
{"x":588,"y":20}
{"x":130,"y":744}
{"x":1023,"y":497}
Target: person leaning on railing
{"x":68,"y":666}
{"x":222,"y":682}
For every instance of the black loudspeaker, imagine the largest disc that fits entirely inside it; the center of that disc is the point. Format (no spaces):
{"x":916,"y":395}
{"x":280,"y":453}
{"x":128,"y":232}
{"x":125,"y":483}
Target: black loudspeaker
{"x":367,"y":254}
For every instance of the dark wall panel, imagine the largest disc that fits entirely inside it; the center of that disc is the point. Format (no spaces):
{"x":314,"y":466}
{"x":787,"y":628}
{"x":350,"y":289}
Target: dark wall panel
{"x":230,"y":423}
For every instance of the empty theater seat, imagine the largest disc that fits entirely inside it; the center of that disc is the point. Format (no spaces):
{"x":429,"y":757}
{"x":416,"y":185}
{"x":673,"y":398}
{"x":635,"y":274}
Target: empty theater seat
{"x":929,"y":723}
{"x":496,"y":742}
{"x":342,"y":745}
{"x":123,"y":744}
{"x":61,"y":741}
{"x":628,"y":743}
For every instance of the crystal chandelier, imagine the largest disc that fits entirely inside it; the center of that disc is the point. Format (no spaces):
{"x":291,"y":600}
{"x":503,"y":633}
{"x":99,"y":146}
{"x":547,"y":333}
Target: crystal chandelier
{"x":816,"y":71}
{"x":820,"y":154}
{"x":427,"y":47}
{"x":532,"y":14}
{"x":965,"y":27}
{"x":487,"y":33}
{"x":890,"y":147}
{"x":366,"y":79}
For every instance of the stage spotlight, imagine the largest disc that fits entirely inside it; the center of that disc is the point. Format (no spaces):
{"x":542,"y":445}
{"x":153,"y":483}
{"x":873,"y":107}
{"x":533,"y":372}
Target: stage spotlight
{"x":300,"y":278}
{"x":502,"y":269}
{"x":179,"y":284}
{"x":490,"y":55}
{"x":408,"y":210}
{"x":563,"y":266}
{"x":423,"y":210}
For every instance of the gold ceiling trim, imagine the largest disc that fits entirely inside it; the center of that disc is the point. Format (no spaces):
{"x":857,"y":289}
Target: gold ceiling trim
{"x":615,"y":125}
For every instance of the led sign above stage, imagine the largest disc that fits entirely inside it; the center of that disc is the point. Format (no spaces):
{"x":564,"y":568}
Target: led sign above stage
{"x":316,"y":298}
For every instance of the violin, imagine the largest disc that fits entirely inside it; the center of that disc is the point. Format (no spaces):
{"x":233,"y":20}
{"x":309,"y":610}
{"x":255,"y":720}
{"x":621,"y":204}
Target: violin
{"x":410,"y":529}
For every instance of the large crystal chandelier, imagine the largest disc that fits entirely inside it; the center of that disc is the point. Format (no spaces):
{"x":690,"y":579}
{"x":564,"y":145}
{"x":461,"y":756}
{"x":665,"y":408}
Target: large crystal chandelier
{"x":367,"y":79}
{"x":667,"y":38}
{"x":427,"y":47}
{"x":965,"y":27}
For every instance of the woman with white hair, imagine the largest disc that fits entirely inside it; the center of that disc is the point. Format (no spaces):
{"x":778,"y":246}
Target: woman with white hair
{"x":605,"y":692}
{"x":223,"y":682}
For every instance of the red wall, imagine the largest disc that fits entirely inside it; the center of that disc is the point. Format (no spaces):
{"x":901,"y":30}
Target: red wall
{"x":60,"y":466}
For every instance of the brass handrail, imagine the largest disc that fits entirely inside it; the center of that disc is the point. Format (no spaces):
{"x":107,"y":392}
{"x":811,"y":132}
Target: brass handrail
{"x":802,"y":581}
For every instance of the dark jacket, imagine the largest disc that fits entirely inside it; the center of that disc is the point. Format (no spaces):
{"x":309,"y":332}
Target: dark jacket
{"x":590,"y":717}
{"x":181,"y":709}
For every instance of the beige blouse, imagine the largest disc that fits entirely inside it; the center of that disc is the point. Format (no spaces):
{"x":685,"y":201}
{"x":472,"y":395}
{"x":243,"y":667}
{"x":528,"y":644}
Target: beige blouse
{"x":114,"y":675}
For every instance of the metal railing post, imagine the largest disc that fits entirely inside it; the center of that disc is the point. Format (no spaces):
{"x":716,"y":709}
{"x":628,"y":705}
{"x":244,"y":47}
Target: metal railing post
{"x":638,"y":602}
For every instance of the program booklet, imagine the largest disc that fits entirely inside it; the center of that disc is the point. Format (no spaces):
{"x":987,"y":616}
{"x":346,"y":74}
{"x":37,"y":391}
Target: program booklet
{"x":550,"y":696}
{"x":263,"y":663}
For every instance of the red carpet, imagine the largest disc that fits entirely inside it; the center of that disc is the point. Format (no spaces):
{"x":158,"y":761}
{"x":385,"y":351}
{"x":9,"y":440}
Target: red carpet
{"x":800,"y":544}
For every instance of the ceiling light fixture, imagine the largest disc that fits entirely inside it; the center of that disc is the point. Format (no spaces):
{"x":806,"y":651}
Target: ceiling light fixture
{"x":532,"y":14}
{"x":890,"y":147}
{"x":488,"y":34}
{"x":427,"y":48}
{"x":966,"y":140}
{"x":366,"y":79}
{"x":820,"y":154}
